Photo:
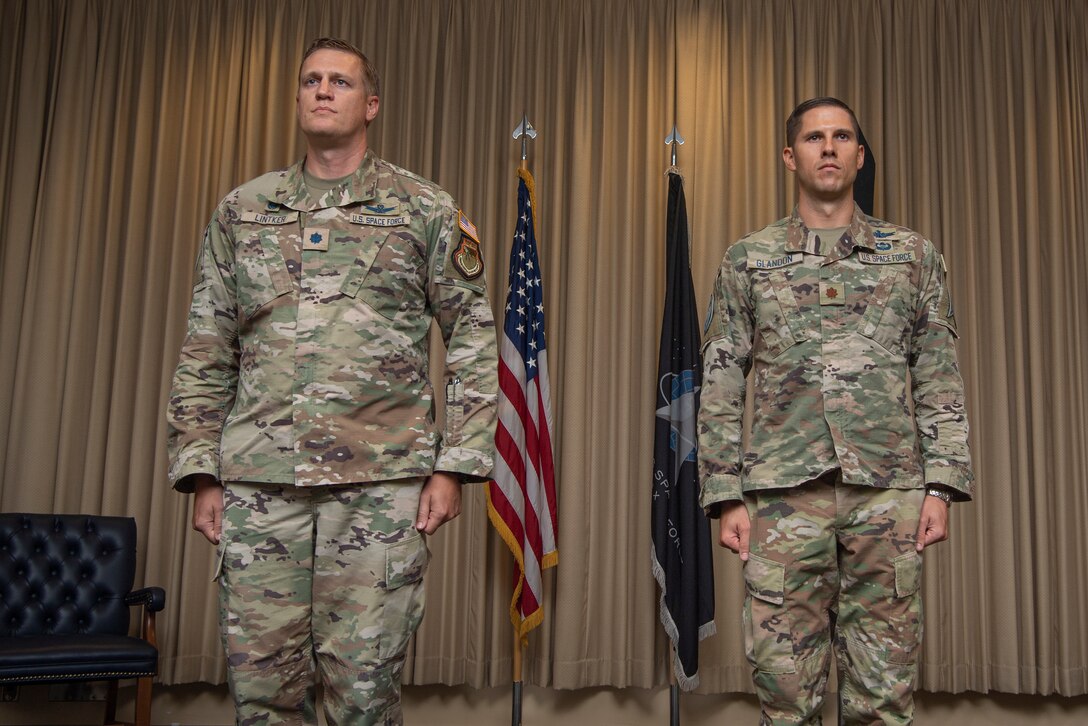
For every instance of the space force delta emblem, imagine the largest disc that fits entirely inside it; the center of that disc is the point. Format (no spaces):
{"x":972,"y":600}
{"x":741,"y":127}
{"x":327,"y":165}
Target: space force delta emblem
{"x":466,"y":257}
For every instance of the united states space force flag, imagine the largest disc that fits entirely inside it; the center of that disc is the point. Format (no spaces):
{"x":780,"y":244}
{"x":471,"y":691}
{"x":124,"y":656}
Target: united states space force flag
{"x":682,"y":548}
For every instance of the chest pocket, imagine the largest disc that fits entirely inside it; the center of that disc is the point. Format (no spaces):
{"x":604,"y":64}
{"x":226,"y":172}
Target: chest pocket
{"x":887,"y":320}
{"x":384,"y":270}
{"x":776,"y":311}
{"x":260,"y":272}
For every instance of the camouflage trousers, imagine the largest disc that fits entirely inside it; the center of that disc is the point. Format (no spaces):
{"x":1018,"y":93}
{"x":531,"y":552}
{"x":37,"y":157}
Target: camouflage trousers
{"x":319,"y":583}
{"x":828,"y":559}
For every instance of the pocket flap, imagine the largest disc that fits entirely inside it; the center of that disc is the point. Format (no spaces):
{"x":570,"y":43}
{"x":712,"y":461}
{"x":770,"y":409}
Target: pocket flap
{"x":765,"y":579}
{"x":374,"y":280}
{"x":405,"y":562}
{"x":874,"y":307}
{"x":908,"y":574}
{"x":353,"y":281}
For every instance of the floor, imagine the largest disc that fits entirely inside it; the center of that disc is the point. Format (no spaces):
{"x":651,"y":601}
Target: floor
{"x":205,"y":705}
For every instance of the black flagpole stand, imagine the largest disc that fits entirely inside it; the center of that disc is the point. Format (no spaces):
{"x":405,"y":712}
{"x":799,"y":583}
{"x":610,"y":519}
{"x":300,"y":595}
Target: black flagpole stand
{"x":515,"y":716}
{"x":674,"y":691}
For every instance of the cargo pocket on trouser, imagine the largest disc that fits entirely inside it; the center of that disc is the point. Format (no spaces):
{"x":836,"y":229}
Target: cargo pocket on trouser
{"x":402,"y":601}
{"x":905,"y":622}
{"x":768,"y":643}
{"x":879,"y":675}
{"x":264,"y":605}
{"x":790,"y":684}
{"x":908,"y":574}
{"x":891,"y":628}
{"x":372,"y":697}
{"x":367,"y":603}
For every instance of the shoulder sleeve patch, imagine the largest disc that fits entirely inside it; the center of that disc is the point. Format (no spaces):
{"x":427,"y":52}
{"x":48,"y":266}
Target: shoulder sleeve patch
{"x":466,"y":256}
{"x":709,"y":316}
{"x":466,"y":226}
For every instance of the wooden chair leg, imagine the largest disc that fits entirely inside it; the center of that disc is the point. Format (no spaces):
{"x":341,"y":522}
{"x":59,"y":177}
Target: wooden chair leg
{"x":110,"y":717}
{"x":143,"y":701}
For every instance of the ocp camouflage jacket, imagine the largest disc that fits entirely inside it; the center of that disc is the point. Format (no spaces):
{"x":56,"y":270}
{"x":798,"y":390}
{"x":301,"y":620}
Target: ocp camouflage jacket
{"x":306,"y":358}
{"x":832,"y":338}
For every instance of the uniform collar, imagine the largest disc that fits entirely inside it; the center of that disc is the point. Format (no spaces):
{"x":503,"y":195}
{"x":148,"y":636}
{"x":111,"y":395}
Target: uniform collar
{"x":362,"y":187}
{"x":858,"y":235}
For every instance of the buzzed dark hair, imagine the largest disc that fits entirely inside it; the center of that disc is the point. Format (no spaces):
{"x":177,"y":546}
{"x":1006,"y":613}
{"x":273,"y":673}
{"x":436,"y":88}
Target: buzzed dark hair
{"x":370,"y":73}
{"x":793,"y":123}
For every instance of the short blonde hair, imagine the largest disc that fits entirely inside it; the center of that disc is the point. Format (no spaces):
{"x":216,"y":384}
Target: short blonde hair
{"x":370,"y":73}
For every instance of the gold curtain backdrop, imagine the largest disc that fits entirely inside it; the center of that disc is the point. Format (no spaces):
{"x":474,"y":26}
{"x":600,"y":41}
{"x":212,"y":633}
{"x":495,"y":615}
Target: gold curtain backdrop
{"x":124,"y":122}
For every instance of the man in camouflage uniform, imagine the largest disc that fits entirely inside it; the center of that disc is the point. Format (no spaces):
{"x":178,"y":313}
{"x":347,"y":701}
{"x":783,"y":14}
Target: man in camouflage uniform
{"x":302,"y":416}
{"x":842,"y":486}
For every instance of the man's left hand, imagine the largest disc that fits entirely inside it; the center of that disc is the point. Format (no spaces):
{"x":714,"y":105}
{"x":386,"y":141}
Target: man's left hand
{"x":439,"y":502}
{"x":933,"y":523}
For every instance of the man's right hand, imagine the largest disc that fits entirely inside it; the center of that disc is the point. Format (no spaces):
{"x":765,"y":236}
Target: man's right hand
{"x":208,"y":507}
{"x":734,"y":528}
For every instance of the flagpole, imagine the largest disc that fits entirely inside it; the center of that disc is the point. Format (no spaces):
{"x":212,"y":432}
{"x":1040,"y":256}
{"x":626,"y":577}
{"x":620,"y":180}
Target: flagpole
{"x":673,"y":140}
{"x":515,"y":717}
{"x":682,"y":546}
{"x":524,"y":131}
{"x":674,"y":687}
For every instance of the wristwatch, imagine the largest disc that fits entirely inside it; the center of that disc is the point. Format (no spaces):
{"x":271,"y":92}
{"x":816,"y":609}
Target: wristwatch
{"x":943,"y":494}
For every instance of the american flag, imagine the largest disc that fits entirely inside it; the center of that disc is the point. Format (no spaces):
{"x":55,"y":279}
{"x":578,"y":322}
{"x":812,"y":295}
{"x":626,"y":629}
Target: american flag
{"x":521,"y":500}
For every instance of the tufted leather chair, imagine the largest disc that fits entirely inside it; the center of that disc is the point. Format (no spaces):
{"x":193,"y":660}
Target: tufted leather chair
{"x":65,"y":591}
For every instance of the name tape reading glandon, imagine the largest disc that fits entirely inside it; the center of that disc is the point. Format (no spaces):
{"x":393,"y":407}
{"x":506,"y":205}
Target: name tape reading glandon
{"x":773,"y":263}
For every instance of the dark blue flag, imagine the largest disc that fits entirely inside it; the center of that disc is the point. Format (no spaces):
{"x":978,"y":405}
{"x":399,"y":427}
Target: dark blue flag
{"x":682,"y":556}
{"x":865,"y":183}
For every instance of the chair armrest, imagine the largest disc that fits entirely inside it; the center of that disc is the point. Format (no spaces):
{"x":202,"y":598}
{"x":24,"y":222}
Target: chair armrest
{"x":153,"y":598}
